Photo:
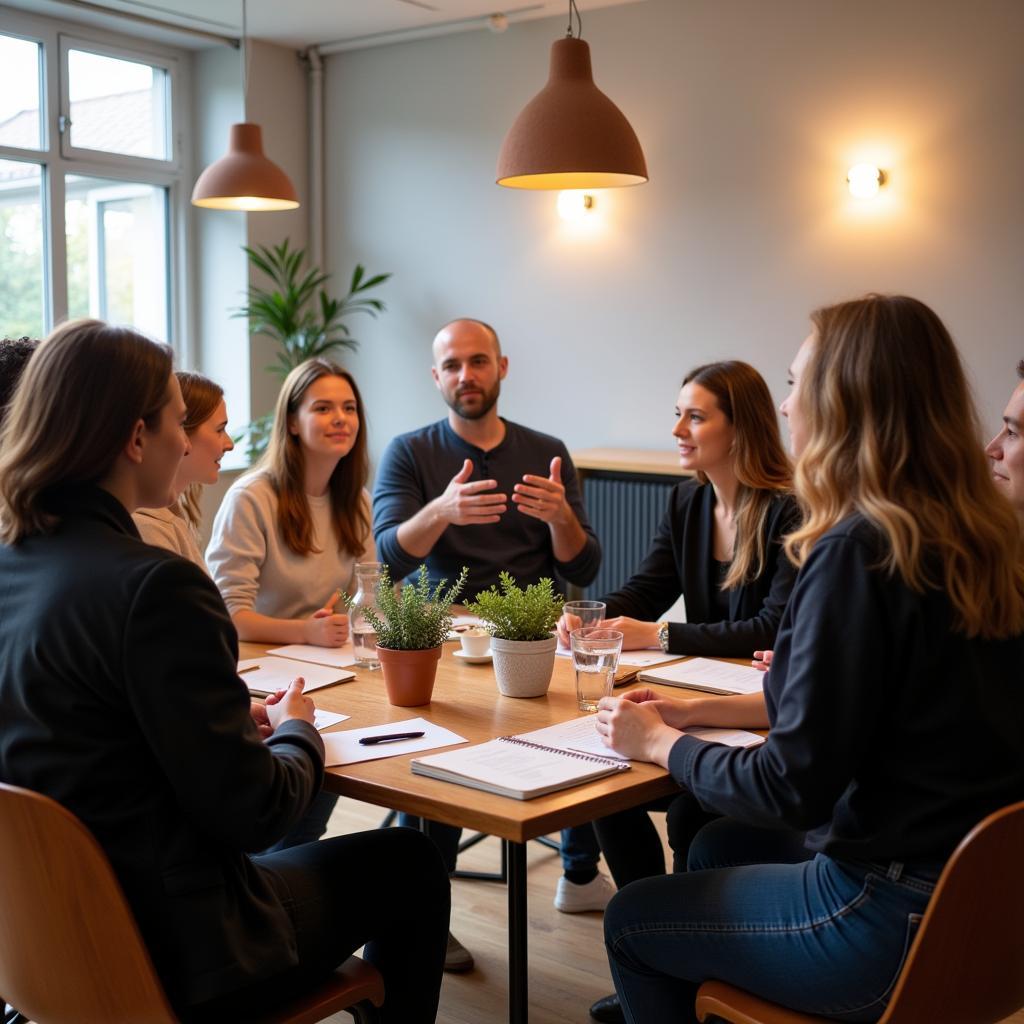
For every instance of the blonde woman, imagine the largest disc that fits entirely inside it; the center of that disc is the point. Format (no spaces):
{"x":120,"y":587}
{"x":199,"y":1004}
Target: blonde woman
{"x":176,"y":527}
{"x":894,"y":696}
{"x":288,"y":535}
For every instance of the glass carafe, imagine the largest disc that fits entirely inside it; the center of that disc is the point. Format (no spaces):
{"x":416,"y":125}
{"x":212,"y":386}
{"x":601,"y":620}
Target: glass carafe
{"x":364,"y":637}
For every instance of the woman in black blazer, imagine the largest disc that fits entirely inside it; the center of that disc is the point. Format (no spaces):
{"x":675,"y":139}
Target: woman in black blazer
{"x":894,"y":697}
{"x":719,"y":546}
{"x":119,"y":698}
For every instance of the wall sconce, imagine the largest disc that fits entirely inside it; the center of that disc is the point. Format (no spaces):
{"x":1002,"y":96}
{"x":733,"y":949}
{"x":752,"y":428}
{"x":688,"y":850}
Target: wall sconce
{"x":864,"y":180}
{"x":574,"y":205}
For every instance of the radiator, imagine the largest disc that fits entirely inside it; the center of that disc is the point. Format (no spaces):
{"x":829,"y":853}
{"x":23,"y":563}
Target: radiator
{"x":624,"y":510}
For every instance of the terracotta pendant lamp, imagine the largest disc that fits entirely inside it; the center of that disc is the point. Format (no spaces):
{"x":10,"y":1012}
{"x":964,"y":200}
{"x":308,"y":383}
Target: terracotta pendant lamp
{"x":570,"y":135}
{"x":244,"y":179}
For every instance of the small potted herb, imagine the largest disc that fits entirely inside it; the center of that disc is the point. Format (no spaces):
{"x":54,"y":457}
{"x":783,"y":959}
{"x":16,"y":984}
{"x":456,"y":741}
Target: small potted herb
{"x":412,"y":624}
{"x":521,"y":624}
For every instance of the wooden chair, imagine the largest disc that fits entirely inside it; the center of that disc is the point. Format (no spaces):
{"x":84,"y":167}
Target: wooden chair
{"x":966,"y":965}
{"x":70,"y":950}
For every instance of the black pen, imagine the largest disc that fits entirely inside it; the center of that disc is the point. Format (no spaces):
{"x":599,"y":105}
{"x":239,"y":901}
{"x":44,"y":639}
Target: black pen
{"x":369,"y":741}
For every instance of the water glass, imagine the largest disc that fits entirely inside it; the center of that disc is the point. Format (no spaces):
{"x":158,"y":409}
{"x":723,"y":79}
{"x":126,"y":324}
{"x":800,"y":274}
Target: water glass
{"x":590,"y":613}
{"x":364,"y":638}
{"x":595,"y":657}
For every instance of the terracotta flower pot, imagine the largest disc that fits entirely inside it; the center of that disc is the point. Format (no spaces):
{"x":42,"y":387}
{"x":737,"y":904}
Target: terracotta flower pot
{"x":523,"y":668}
{"x":409,"y":675}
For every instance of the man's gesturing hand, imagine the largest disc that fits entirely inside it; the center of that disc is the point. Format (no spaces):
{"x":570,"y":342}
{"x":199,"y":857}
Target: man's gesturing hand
{"x":467,"y":504}
{"x":544,"y":497}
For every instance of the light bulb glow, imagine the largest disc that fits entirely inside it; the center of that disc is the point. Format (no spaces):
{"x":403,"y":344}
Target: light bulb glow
{"x":574,"y":204}
{"x":864,"y":180}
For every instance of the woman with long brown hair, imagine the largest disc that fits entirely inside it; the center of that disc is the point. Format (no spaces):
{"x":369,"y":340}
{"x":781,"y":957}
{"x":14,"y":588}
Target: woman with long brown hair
{"x":894,"y":697}
{"x":288,"y":535}
{"x":719,"y":546}
{"x":176,"y":527}
{"x":120,"y":699}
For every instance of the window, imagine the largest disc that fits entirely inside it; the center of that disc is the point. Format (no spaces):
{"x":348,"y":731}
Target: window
{"x":92,"y":214}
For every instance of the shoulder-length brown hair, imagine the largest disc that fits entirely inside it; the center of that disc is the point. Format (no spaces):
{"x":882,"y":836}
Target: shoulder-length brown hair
{"x":285,"y":461}
{"x":82,"y":393}
{"x":760,"y":461}
{"x":202,"y":396}
{"x":893,"y":435}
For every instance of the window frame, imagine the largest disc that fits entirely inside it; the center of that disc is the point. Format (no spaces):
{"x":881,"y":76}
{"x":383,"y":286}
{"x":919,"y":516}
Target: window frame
{"x":58,"y":160}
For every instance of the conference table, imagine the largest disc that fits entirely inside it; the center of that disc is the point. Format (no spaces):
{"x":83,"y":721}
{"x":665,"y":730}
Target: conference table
{"x":466,"y":701}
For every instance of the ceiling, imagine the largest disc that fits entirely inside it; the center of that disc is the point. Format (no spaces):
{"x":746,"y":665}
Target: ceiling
{"x":337,"y":24}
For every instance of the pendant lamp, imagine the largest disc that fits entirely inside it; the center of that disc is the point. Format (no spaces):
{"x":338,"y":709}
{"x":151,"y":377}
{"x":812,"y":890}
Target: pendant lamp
{"x":244,"y":179}
{"x":570,"y":135}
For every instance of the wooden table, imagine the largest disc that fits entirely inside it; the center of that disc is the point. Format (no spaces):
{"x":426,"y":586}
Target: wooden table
{"x":466,"y":700}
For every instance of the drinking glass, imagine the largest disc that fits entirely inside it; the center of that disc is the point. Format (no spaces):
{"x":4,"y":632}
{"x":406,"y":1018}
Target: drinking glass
{"x":590,"y":613}
{"x":595,"y":657}
{"x":364,"y":638}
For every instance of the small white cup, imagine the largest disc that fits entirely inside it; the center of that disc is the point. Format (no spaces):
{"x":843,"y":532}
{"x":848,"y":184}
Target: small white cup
{"x":476,"y":642}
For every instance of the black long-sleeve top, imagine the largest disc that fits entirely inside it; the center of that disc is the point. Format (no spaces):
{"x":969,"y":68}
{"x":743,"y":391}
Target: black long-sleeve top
{"x":681,"y":561}
{"x":891,"y":734}
{"x":120,"y":699}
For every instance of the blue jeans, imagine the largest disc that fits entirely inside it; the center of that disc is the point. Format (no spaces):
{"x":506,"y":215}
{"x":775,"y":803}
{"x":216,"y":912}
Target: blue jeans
{"x":580,"y":851}
{"x":818,"y":935}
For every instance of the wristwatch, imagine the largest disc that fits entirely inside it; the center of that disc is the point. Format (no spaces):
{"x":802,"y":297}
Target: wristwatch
{"x":663,"y":636}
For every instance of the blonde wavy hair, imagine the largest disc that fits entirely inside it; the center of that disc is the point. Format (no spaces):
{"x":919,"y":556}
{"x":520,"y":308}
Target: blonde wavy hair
{"x":760,"y":461}
{"x":893,"y":435}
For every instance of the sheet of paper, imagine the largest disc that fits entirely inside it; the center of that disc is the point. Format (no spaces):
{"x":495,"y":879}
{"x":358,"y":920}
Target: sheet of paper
{"x":578,"y":734}
{"x":325,"y":719}
{"x":344,"y":748}
{"x":632,"y":659}
{"x":267,"y":674}
{"x":338,"y":657}
{"x":717,"y":676}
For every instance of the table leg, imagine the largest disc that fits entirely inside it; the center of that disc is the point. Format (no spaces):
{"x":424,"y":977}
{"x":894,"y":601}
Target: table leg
{"x":518,"y":922}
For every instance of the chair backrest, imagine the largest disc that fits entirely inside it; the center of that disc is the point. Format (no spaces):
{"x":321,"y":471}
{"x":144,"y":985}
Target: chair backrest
{"x":967,"y":962}
{"x":70,"y":950}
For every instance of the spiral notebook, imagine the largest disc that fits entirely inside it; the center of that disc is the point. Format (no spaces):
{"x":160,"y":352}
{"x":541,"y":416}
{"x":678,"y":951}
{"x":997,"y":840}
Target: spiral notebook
{"x":516,"y":767}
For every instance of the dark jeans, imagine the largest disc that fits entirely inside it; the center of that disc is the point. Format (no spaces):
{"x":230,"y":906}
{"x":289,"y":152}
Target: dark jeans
{"x":580,"y":850}
{"x":631,"y":845}
{"x":757,"y":910}
{"x":386,"y":888}
{"x":311,"y":826}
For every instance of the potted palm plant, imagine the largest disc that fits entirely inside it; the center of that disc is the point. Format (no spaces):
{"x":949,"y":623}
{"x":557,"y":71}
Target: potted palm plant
{"x":412,"y":624}
{"x":521,"y":624}
{"x":299,"y":315}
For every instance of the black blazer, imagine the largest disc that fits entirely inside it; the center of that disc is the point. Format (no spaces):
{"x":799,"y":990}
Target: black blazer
{"x":681,"y":561}
{"x":119,"y":698}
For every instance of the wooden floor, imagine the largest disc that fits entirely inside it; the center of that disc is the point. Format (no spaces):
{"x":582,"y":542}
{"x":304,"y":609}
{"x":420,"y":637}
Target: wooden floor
{"x":568,"y":967}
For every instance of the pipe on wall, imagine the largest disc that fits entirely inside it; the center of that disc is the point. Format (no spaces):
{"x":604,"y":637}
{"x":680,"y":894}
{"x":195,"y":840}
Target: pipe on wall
{"x":316,"y":156}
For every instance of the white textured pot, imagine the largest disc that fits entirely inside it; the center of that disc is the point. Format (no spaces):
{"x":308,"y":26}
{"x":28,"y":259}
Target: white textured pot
{"x":523,"y":668}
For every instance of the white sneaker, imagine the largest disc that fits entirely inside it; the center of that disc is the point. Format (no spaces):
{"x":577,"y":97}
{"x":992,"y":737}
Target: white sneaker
{"x":571,"y":898}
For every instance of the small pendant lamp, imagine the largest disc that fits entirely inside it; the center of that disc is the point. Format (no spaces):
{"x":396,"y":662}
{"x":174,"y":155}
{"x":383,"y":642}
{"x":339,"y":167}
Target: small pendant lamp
{"x":244,"y":179}
{"x":570,"y":135}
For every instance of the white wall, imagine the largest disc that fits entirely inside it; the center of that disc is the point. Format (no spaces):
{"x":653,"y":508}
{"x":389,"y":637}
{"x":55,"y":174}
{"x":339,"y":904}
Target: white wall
{"x":750,"y":114}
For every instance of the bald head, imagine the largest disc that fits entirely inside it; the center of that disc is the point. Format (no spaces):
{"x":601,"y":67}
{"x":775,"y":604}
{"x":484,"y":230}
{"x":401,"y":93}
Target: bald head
{"x":469,"y":367}
{"x":468,"y":331}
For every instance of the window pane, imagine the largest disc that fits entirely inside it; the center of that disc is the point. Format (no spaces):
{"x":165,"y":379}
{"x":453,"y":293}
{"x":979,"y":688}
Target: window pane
{"x":117,"y":252}
{"x":19,"y":97}
{"x":118,"y":106}
{"x":21,"y":250}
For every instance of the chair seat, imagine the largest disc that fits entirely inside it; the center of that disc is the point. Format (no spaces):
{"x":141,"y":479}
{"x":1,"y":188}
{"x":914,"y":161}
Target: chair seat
{"x":717,"y":999}
{"x":355,"y":981}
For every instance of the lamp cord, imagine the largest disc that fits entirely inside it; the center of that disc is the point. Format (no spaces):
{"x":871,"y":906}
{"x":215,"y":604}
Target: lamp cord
{"x":579,"y":21}
{"x":245,"y":65}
